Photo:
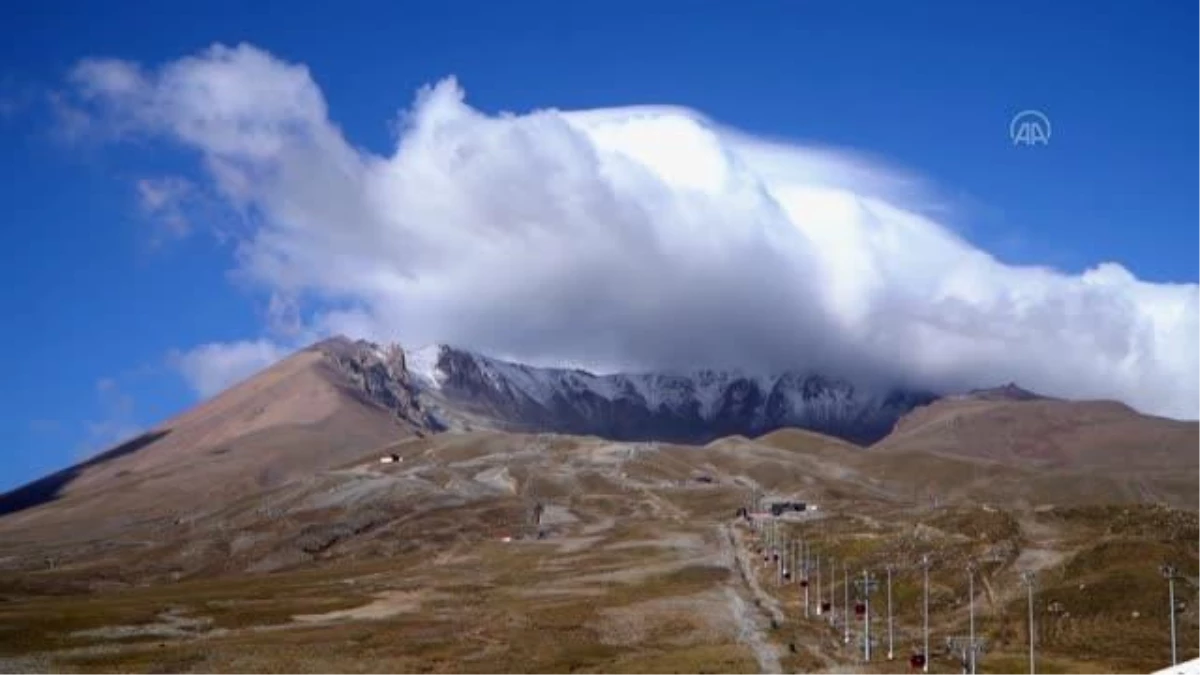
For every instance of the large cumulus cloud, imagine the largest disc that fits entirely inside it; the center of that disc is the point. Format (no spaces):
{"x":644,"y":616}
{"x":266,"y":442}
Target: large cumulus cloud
{"x":629,"y":238}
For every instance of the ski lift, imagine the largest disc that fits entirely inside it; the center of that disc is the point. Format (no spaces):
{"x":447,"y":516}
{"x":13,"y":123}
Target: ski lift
{"x":860,"y":609}
{"x":917,"y":661}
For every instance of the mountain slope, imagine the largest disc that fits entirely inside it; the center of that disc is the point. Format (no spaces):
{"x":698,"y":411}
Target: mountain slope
{"x":1046,"y":433}
{"x":339,"y":398}
{"x":314,"y":410}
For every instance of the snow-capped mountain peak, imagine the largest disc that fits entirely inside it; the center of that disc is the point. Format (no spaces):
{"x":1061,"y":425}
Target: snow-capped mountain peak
{"x":694,"y":406}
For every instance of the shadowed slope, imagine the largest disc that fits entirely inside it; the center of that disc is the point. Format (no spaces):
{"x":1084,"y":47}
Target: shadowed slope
{"x":48,"y":488}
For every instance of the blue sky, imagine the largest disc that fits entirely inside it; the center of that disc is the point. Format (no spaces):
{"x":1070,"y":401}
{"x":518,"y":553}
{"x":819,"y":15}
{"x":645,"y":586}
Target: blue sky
{"x":97,"y":299}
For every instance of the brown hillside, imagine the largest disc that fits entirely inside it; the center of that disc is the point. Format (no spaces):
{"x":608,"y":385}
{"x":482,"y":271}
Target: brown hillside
{"x":304,"y":414}
{"x":1047,"y":434}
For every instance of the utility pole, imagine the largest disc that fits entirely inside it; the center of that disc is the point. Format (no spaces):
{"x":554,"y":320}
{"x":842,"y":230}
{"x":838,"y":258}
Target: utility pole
{"x":804,"y":579}
{"x":925,"y":566}
{"x":971,"y":609}
{"x":866,"y":585}
{"x":769,"y":535}
{"x":798,"y":561}
{"x":891,"y":653}
{"x":769,"y":531}
{"x":785,"y":559}
{"x":1030,"y":580}
{"x":786,"y":562}
{"x":781,"y":561}
{"x":832,"y":600}
{"x":790,"y":577}
{"x":777,"y":553}
{"x":846,"y":605}
{"x":819,"y":610}
{"x":774,"y":542}
{"x":781,"y":558}
{"x":767,"y":539}
{"x":1170,"y":572}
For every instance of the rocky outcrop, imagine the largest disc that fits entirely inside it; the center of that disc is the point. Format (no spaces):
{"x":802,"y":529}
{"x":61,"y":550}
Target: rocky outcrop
{"x":376,"y":375}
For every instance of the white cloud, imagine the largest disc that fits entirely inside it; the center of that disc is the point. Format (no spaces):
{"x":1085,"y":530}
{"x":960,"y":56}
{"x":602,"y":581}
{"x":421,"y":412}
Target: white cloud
{"x":284,"y":317}
{"x":212,"y":367}
{"x":165,"y":200}
{"x":632,"y":237}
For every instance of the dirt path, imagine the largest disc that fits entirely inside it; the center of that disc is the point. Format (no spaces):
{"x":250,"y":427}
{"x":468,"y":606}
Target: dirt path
{"x":386,"y":605}
{"x":748,"y":621}
{"x":771,"y":611}
{"x":765,"y":601}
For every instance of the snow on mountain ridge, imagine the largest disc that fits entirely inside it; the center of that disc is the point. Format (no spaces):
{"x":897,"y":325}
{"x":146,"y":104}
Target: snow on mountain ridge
{"x":653,"y":390}
{"x":697,"y":405}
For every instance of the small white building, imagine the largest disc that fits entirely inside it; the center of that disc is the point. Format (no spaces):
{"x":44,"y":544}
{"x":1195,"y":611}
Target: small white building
{"x":1186,"y":668}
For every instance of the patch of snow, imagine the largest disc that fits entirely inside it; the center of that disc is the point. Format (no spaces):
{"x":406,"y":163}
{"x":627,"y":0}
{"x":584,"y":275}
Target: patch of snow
{"x":711,"y":386}
{"x":422,"y":364}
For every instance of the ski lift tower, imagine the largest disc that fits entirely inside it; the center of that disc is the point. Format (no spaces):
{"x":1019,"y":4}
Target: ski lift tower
{"x":1030,"y":580}
{"x":1171,"y":573}
{"x":891,"y":633}
{"x":925,"y":563}
{"x":971,"y":567}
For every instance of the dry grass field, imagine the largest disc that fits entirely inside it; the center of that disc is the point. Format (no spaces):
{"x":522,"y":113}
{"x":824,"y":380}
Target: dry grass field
{"x":642,"y":567}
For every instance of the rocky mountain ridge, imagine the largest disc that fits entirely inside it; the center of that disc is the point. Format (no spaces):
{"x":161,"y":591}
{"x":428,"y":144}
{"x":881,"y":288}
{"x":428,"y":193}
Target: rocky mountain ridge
{"x":458,"y":388}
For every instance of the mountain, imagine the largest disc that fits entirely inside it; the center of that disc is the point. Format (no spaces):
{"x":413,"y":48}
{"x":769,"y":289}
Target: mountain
{"x":316,"y":409}
{"x":1008,"y":392}
{"x":338,"y":399}
{"x":1046,"y":433}
{"x":465,"y":389}
{"x":260,"y":531}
